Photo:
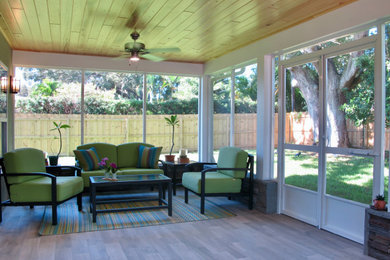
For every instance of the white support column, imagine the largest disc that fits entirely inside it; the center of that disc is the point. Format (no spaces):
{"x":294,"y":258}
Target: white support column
{"x":379,"y":107}
{"x":144,"y":94}
{"x":265,"y":119}
{"x":205,"y":117}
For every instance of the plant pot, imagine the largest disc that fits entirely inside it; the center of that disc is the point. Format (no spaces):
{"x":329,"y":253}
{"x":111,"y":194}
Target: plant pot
{"x":169,"y":158}
{"x":379,"y":204}
{"x":53,"y":159}
{"x":184,"y":160}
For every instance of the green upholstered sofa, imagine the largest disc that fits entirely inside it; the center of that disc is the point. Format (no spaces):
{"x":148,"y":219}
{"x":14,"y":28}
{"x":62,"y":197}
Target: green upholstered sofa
{"x":124,"y":155}
{"x":29,"y":184}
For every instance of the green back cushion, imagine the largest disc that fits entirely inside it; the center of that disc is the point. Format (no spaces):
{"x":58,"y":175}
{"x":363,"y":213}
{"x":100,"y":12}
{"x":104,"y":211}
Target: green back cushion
{"x":24,"y":160}
{"x":232,"y":157}
{"x":148,"y":156}
{"x":88,"y":159}
{"x":103,"y":150}
{"x":128,"y":154}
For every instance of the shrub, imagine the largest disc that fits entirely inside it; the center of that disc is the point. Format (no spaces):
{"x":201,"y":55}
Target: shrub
{"x":100,"y":106}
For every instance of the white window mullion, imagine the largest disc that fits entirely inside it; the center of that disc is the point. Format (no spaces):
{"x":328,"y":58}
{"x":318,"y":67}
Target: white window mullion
{"x":281,"y":137}
{"x":379,"y":107}
{"x":82,"y":109}
{"x":232,"y":110}
{"x":144,"y":92}
{"x":323,"y":76}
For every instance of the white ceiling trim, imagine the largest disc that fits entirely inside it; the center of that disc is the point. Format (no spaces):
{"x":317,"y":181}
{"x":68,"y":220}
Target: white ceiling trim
{"x":70,"y":61}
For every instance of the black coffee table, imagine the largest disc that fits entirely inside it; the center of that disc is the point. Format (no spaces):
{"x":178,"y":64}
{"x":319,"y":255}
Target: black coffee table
{"x":125,"y":183}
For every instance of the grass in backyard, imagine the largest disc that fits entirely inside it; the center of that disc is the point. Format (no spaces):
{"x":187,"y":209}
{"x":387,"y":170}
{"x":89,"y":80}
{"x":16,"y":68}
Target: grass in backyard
{"x":348,"y":177}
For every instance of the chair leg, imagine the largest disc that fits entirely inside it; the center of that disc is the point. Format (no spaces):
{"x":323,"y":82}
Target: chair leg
{"x":250,"y":202}
{"x":202,"y":204}
{"x":80,"y":201}
{"x":1,"y":214}
{"x":54,"y":214}
{"x":185,"y":195}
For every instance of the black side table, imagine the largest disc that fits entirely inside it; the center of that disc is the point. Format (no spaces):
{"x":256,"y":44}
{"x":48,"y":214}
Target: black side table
{"x":59,"y":170}
{"x":174,"y":170}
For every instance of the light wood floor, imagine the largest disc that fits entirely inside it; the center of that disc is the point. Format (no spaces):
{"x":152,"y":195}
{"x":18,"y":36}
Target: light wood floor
{"x":249,"y":235}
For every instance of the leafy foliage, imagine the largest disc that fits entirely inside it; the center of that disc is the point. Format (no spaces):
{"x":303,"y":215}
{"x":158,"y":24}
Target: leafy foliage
{"x":172,"y":121}
{"x":58,"y":127}
{"x":45,"y":89}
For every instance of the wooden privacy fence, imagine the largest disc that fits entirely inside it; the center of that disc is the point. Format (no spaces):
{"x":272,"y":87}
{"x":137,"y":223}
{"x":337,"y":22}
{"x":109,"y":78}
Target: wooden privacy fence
{"x":33,"y":130}
{"x":299,"y":130}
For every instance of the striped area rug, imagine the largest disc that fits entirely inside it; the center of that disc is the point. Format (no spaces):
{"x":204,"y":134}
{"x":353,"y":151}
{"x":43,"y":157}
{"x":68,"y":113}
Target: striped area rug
{"x":70,"y":220}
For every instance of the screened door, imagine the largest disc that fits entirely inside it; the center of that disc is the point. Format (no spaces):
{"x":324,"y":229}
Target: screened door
{"x":330,"y":138}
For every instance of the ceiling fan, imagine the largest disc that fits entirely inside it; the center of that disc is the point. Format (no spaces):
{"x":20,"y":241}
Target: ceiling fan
{"x":137,"y":50}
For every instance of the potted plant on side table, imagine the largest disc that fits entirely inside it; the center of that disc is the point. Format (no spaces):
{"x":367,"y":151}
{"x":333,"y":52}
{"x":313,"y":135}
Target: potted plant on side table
{"x":379,"y":202}
{"x":171,"y":121}
{"x":57,"y":126}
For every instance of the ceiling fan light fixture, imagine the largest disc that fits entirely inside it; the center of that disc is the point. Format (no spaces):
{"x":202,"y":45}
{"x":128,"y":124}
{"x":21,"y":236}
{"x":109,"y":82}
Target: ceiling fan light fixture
{"x":134,"y":56}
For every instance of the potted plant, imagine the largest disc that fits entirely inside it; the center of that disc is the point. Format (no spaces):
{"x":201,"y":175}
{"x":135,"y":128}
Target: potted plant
{"x":379,"y":202}
{"x":171,"y":121}
{"x":54,"y":158}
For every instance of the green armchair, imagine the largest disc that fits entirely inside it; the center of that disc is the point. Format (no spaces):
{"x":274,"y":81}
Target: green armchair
{"x":28,"y":184}
{"x":232,"y":177}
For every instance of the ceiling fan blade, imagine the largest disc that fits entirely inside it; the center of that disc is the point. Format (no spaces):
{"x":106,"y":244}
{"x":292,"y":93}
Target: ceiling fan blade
{"x":124,"y":55}
{"x":152,"y":57}
{"x":173,"y":49}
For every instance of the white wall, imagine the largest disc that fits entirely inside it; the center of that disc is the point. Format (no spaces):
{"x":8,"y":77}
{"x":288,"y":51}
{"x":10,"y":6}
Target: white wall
{"x":56,"y":60}
{"x":352,"y":15}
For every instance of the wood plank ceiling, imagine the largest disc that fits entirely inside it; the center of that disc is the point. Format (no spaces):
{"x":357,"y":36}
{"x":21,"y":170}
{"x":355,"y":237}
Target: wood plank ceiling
{"x":202,"y":29}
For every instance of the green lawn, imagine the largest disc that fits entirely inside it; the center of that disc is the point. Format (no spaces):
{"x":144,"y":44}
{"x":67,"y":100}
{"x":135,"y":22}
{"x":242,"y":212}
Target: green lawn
{"x":348,"y":177}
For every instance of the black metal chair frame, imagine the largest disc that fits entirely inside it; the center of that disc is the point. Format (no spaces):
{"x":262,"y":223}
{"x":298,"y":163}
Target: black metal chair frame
{"x":243,"y":193}
{"x":53,"y":203}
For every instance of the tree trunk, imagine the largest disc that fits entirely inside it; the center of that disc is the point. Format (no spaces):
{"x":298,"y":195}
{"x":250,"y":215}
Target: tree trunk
{"x":336,"y":128}
{"x":309,"y":89}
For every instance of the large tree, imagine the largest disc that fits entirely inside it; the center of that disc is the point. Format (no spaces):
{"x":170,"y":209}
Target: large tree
{"x":344,"y":75}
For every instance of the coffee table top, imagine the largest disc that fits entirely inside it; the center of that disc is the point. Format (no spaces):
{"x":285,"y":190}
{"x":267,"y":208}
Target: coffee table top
{"x":130,"y":178}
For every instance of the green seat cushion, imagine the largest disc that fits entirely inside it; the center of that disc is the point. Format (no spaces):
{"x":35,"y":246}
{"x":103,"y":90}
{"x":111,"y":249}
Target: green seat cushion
{"x":133,"y":170}
{"x":148,"y":156}
{"x":24,"y":160}
{"x":39,"y":190}
{"x":103,"y":150}
{"x":216,"y":182}
{"x":128,"y":154}
{"x":86,"y":174}
{"x":232,"y":157}
{"x":88,"y":159}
